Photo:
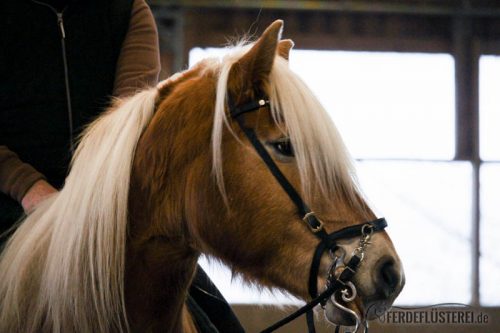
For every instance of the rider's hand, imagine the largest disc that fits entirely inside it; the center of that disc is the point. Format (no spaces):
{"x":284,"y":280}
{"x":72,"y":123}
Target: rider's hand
{"x":36,"y":194}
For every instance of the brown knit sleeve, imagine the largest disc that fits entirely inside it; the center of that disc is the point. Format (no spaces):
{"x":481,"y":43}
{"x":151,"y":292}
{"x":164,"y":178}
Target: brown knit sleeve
{"x":16,"y":177}
{"x":139,"y":61}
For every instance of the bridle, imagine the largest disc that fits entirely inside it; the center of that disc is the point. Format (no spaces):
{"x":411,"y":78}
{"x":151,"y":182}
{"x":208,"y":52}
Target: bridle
{"x":340,"y":273}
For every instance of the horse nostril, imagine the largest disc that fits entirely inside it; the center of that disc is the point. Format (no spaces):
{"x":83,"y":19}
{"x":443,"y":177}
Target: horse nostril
{"x":388,"y":278}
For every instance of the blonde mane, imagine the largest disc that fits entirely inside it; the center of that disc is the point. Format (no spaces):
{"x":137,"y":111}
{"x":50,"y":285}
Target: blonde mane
{"x":63,"y":269}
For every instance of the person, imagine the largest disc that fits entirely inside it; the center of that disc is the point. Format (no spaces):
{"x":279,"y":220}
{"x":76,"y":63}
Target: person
{"x":62,"y":60}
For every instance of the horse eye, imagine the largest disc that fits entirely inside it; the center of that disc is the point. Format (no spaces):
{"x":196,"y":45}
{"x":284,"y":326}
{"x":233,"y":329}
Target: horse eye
{"x":284,"y":147}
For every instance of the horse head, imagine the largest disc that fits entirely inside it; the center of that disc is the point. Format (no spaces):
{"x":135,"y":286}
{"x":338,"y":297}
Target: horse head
{"x":231,"y":206}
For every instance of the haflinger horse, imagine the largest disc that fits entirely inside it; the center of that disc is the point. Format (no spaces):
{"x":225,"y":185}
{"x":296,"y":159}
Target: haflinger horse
{"x":171,"y":173}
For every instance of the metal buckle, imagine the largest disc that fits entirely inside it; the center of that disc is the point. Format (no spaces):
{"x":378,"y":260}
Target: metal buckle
{"x":340,"y":274}
{"x":312,"y":228}
{"x":341,"y":281}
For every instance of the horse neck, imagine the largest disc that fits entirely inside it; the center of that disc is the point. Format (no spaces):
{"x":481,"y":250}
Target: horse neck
{"x":159,"y":269}
{"x":161,"y":260}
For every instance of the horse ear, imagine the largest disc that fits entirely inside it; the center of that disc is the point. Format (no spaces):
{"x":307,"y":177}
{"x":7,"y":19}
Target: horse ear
{"x":255,"y":66}
{"x":284,"y":48}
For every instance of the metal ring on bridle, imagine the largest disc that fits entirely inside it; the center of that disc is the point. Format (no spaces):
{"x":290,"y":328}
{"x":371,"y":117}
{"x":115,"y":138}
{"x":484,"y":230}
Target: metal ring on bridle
{"x":366,"y":227}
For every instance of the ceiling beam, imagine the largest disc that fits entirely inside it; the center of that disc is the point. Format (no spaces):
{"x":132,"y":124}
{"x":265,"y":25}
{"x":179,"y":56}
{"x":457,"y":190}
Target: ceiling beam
{"x":459,"y":8}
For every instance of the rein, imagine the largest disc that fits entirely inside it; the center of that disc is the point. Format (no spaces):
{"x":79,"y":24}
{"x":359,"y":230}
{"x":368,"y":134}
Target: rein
{"x":336,"y":282}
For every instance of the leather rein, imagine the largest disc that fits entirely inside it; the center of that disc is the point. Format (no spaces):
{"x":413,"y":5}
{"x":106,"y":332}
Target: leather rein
{"x":340,"y":273}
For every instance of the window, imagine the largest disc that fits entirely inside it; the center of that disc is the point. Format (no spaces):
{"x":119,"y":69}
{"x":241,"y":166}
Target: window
{"x":489,"y":103}
{"x":386,"y":105}
{"x":396,"y":113}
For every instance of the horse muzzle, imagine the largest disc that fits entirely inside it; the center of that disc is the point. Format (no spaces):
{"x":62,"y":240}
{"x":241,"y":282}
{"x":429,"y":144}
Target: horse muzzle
{"x":379,"y":280}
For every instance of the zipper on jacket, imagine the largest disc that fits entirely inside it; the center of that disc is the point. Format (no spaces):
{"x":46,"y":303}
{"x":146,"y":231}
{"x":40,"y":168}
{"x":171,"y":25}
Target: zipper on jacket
{"x":60,"y":23}
{"x":66,"y":80}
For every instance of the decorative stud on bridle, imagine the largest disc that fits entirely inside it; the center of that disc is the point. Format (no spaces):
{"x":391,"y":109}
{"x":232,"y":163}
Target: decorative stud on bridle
{"x":339,"y":276}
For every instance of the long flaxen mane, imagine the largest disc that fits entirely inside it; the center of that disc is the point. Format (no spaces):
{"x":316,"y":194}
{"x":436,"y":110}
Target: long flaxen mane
{"x":63,"y":269}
